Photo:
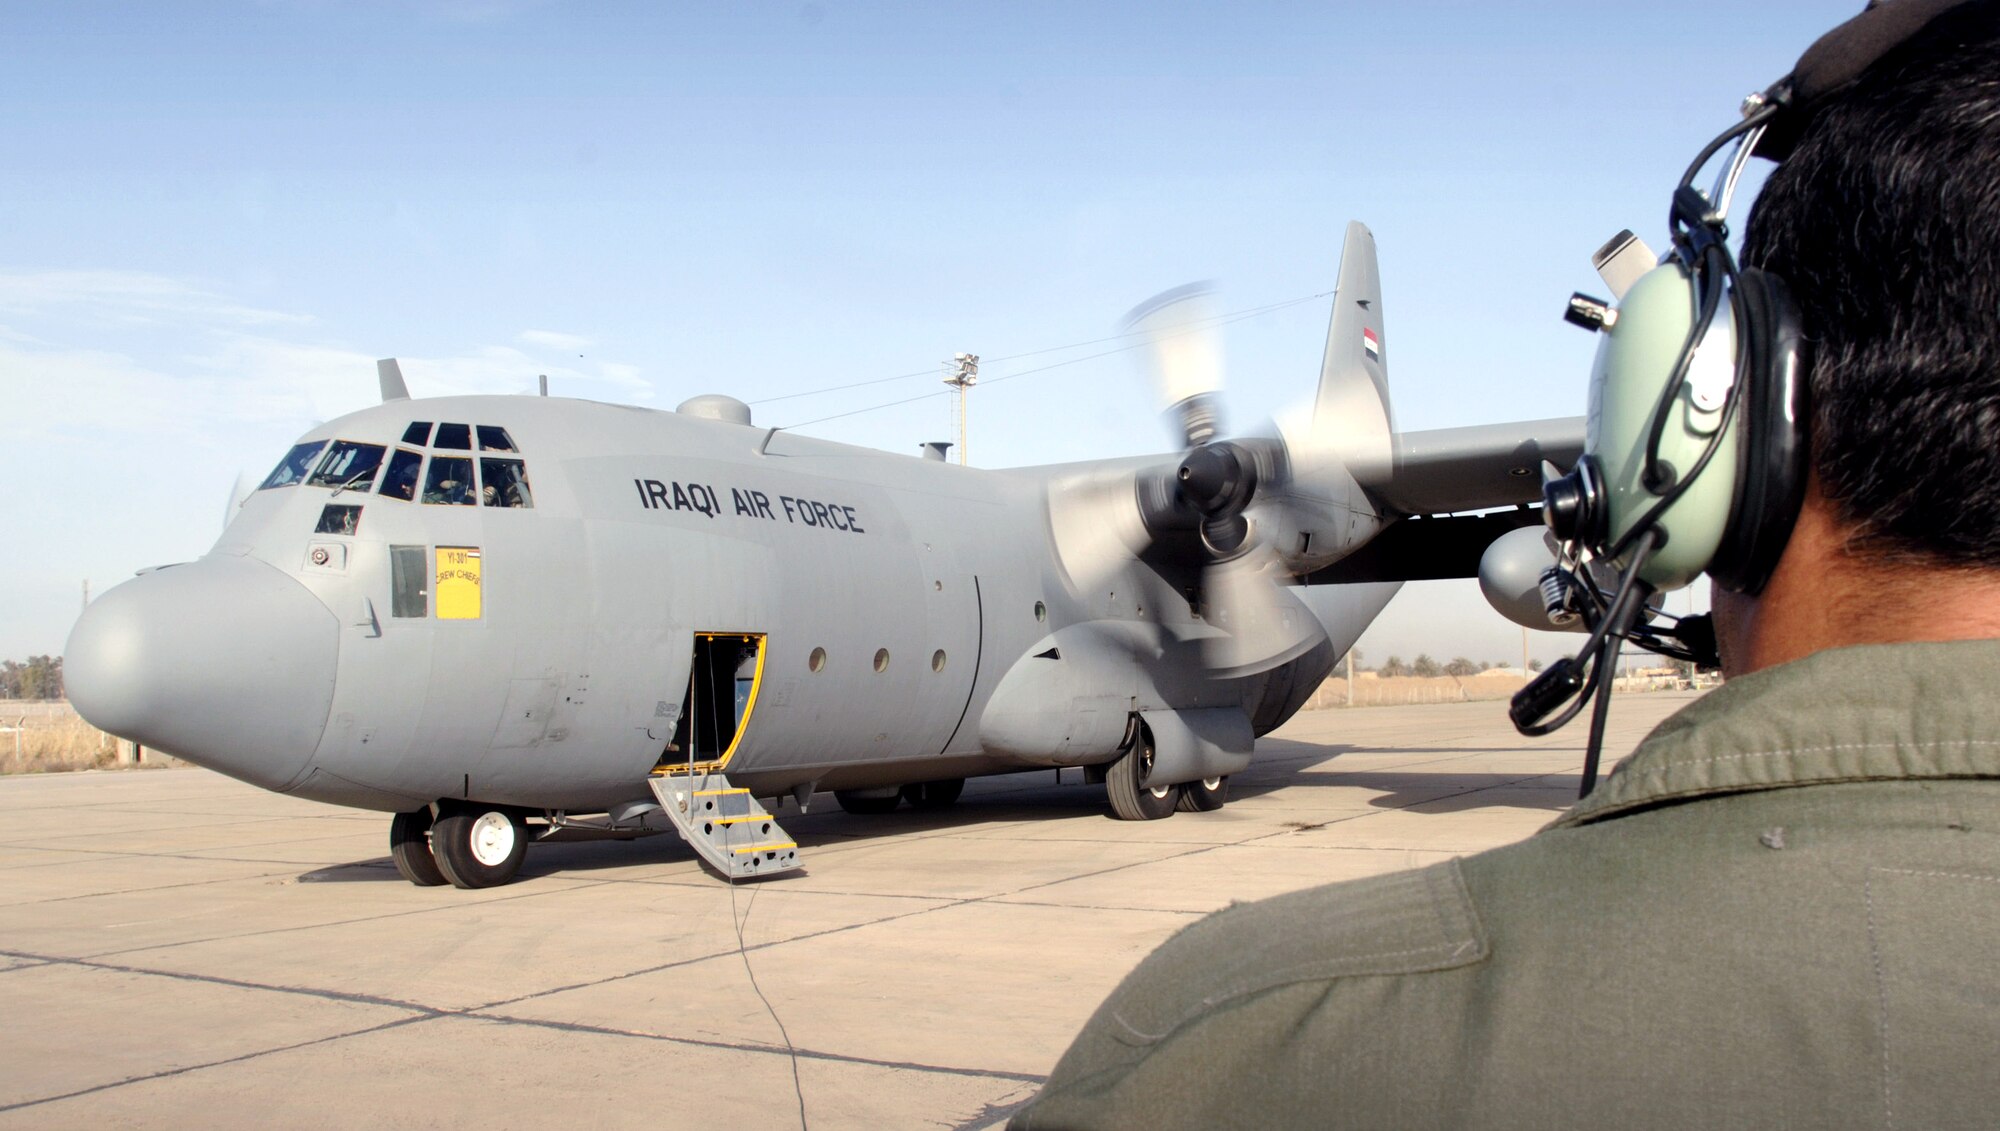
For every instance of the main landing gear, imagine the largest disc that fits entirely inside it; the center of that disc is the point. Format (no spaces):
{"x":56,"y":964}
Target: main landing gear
{"x":1134,"y":798}
{"x":465,"y":844}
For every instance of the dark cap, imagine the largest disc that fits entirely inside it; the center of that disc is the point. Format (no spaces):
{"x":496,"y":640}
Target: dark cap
{"x":1837,"y":58}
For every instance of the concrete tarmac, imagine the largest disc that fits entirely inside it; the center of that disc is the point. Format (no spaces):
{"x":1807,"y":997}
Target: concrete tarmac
{"x":179,"y":949}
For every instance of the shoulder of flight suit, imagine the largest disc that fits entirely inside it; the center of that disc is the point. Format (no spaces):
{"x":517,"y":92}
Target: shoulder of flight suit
{"x":1401,"y":923}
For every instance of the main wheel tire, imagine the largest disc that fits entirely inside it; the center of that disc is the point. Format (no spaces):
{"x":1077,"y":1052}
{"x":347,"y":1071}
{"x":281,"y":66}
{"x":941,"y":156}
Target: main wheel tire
{"x":865,"y":803}
{"x":410,"y":848}
{"x":933,"y":794}
{"x":1125,"y":784}
{"x":479,"y":847}
{"x":1205,"y":796}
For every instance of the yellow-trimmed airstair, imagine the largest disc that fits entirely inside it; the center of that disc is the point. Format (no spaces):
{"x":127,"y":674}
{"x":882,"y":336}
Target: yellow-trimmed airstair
{"x":726,"y":826}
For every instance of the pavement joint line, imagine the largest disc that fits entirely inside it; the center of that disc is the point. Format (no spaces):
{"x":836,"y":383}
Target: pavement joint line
{"x":579,"y":885}
{"x":1002,"y":901}
{"x":757,"y":1047}
{"x":220,"y":821}
{"x":728,"y":952}
{"x":344,"y":997}
{"x":422,"y":1012}
{"x":151,"y":888}
{"x":192,"y":856}
{"x":187,"y":1068}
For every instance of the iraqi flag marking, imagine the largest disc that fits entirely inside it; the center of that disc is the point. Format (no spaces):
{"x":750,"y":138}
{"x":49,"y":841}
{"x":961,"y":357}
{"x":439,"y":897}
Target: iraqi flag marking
{"x":1371,"y":344}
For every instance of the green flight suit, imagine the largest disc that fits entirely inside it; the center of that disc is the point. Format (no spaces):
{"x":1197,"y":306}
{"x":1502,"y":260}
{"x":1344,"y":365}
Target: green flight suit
{"x":1783,"y":910}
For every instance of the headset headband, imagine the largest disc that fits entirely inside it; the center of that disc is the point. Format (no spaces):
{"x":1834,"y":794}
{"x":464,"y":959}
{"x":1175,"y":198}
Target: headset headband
{"x":1836,"y":59}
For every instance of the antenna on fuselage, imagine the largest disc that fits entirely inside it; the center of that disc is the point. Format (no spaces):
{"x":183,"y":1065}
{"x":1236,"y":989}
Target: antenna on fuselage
{"x":391,"y":376}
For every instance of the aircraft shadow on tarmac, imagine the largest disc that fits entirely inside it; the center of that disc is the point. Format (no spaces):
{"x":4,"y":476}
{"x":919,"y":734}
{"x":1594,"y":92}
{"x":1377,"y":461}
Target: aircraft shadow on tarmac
{"x":1035,"y":797}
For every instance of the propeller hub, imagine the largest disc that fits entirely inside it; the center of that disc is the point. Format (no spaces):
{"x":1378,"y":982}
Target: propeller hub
{"x":1217,"y":480}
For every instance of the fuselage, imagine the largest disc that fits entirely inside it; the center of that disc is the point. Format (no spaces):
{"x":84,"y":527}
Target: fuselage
{"x":523,"y":600}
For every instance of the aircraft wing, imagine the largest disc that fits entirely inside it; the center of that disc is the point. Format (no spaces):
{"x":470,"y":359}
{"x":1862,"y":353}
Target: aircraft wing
{"x":1448,"y":470}
{"x":1438,"y":474}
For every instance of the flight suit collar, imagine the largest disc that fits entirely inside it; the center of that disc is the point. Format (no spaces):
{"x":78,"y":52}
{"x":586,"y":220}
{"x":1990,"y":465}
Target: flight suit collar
{"x":1863,"y":713}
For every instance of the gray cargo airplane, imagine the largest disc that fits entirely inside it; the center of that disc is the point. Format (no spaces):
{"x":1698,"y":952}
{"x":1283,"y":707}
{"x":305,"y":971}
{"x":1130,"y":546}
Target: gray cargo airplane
{"x":505,"y":618}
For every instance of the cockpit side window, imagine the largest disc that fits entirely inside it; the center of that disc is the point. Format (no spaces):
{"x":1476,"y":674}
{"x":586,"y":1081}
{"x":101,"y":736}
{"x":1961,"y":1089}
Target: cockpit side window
{"x":504,"y":483}
{"x":458,"y":436}
{"x":337,"y":518}
{"x":493,"y":438}
{"x":292,"y":469}
{"x":418,"y":433}
{"x":349,"y":466}
{"x":450,"y":481}
{"x":402,"y":480}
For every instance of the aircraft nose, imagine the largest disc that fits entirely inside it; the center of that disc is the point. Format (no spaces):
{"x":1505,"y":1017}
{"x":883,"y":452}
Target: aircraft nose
{"x":225,"y":662}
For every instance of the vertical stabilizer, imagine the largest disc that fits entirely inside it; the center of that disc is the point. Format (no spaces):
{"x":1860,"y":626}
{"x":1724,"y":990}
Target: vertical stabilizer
{"x":1351,"y":417}
{"x":391,"y":376}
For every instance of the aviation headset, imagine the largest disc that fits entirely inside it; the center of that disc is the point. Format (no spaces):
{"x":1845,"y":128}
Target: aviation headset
{"x":1697,"y":435}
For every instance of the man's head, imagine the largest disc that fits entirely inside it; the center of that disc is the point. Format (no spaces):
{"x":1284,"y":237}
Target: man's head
{"x":1885,"y":221}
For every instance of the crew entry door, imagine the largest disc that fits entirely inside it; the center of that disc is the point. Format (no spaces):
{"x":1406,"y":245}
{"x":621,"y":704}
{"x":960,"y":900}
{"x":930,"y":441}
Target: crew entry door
{"x":722,"y":689}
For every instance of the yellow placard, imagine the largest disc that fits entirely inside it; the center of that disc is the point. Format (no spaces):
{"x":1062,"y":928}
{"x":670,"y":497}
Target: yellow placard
{"x":457,"y":587}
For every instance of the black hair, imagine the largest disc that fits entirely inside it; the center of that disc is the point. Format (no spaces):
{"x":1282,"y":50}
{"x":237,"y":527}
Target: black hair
{"x":1885,"y":221}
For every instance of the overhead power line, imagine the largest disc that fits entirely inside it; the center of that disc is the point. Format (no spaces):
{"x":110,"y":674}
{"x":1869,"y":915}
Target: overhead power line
{"x":1140,"y":336}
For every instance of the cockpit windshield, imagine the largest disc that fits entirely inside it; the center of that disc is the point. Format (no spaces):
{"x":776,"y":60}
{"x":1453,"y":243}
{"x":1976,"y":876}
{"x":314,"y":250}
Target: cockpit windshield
{"x":349,"y":466}
{"x":292,"y":469}
{"x":450,"y":481}
{"x":402,"y":480}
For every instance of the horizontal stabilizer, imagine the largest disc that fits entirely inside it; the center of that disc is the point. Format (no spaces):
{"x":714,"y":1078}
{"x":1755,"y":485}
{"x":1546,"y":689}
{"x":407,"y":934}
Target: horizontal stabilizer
{"x":1446,"y":470}
{"x":391,"y":376}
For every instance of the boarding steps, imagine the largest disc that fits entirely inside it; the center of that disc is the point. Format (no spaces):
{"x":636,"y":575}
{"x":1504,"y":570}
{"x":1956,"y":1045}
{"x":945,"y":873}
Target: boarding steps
{"x":726,"y":825}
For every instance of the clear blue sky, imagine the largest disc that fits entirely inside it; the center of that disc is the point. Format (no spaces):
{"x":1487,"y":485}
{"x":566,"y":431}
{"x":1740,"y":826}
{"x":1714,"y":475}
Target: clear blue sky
{"x":218,"y":215}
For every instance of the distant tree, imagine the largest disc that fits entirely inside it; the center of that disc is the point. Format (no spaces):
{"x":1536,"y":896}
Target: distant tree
{"x":1486,"y":667}
{"x":1424,"y":666}
{"x":40,"y":678}
{"x":1394,"y":666}
{"x":1534,"y":665}
{"x":1460,"y":666}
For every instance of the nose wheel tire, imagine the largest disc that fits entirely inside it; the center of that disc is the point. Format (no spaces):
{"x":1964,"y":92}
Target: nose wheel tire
{"x":1205,"y":795}
{"x":479,"y":847}
{"x":1125,"y":784}
{"x":410,"y":848}
{"x":933,"y":794}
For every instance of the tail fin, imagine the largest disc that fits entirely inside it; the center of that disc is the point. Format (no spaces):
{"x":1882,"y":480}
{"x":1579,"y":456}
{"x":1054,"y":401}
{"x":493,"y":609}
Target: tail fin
{"x":1351,"y":416}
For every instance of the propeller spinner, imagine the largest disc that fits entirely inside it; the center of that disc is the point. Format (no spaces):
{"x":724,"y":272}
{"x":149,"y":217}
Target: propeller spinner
{"x":1103,"y":521}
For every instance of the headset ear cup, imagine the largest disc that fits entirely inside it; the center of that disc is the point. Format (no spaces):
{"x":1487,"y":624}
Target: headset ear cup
{"x":1773,"y":424}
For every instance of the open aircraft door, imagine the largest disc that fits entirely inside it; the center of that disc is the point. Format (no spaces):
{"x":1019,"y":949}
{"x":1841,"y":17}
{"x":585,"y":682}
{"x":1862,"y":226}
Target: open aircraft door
{"x":723,"y":683}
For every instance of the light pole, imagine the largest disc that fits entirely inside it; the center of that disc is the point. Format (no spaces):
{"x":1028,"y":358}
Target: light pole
{"x":962,"y":372}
